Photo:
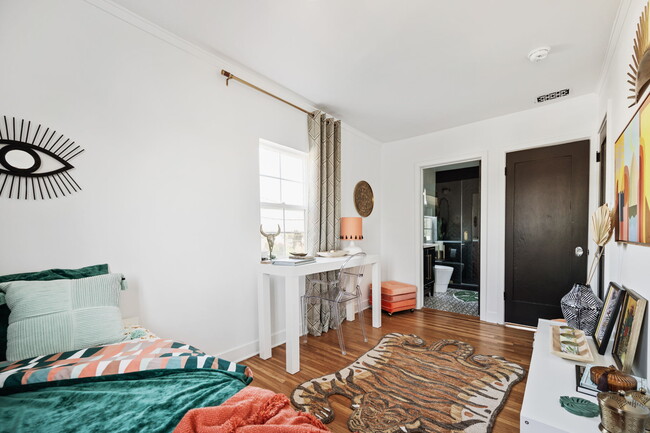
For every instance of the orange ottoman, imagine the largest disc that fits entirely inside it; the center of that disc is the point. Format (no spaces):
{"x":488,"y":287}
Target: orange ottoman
{"x":396,"y":296}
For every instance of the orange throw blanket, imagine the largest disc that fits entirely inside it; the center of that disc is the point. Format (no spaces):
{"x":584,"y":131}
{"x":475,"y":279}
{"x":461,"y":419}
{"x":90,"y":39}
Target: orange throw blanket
{"x":251,"y":410}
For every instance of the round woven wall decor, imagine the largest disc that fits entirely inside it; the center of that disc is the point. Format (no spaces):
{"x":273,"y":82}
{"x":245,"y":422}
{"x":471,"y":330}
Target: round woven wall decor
{"x":364,"y":199}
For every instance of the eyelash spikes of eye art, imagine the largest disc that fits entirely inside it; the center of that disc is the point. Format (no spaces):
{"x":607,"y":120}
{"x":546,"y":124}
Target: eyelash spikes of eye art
{"x":34,"y":162}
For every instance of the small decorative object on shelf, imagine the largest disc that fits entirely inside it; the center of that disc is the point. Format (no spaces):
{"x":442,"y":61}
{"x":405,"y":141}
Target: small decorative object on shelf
{"x":270,"y":238}
{"x":581,"y":307}
{"x":579,"y":406}
{"x":569,"y":343}
{"x":592,"y":379}
{"x":611,"y":379}
{"x":623,"y":412}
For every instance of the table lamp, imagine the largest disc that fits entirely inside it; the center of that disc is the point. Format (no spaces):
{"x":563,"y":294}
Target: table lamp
{"x":351,"y":231}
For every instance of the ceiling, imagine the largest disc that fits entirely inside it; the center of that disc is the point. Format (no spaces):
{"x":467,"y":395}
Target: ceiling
{"x":396,"y":69}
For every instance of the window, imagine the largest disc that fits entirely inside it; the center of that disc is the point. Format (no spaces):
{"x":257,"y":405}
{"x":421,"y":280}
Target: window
{"x":283,"y":197}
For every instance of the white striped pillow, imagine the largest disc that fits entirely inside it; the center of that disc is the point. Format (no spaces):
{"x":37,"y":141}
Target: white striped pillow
{"x":62,"y":315}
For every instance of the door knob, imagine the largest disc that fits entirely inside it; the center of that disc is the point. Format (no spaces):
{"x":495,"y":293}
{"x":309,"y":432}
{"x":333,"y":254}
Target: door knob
{"x":579,"y":252}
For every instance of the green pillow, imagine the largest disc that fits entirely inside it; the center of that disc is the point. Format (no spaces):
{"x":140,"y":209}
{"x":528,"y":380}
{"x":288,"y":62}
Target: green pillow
{"x":62,"y":315}
{"x":57,"y":274}
{"x":50,"y":274}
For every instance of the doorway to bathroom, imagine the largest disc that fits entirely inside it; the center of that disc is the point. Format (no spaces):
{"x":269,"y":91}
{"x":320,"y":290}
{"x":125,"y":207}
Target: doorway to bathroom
{"x":451,"y":228}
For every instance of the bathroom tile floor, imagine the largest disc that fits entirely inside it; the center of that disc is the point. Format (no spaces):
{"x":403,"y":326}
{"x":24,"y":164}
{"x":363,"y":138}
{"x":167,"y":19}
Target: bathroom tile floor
{"x":447,"y":302}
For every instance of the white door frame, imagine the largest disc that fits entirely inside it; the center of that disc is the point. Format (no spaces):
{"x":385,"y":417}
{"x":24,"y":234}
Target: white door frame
{"x":419,"y":235}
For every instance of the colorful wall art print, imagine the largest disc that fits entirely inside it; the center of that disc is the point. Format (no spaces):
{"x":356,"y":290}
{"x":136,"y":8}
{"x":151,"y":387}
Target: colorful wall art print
{"x":631,"y":167}
{"x":628,"y":330}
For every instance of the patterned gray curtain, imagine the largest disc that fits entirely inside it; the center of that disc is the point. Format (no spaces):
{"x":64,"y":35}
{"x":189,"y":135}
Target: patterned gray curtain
{"x":324,"y":208}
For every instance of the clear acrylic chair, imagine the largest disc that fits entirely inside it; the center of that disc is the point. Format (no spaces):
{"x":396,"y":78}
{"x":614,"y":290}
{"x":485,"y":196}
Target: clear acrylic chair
{"x":334,"y":293}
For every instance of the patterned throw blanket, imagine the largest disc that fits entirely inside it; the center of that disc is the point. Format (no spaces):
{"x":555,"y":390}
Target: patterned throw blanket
{"x":139,"y":385}
{"x":127,"y":357}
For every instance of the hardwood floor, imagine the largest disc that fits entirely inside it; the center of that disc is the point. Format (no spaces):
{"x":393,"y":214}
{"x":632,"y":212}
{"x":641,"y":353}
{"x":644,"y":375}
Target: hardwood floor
{"x":321,"y":355}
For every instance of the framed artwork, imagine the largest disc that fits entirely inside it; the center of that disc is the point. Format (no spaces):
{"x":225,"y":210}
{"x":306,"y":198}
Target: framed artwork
{"x":631,"y":162}
{"x":608,"y":315}
{"x":628,"y":329}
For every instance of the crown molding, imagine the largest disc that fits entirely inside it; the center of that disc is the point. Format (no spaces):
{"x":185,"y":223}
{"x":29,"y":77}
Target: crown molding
{"x":217,"y":60}
{"x":614,"y":39}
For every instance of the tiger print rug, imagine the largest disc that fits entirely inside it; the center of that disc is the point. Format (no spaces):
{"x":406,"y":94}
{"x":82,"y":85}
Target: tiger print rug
{"x":406,"y":385}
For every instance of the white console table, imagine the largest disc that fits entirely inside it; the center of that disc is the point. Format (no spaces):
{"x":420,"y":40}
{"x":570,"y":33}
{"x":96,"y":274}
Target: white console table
{"x":294,"y":286}
{"x":549,"y":378}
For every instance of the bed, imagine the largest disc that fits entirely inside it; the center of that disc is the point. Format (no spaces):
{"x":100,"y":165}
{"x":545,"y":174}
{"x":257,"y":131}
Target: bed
{"x":74,"y":367}
{"x":137,"y":385}
{"x":136,"y":382}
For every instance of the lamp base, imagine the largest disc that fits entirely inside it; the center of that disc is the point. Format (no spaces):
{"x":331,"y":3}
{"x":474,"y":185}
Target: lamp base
{"x":352,"y":249}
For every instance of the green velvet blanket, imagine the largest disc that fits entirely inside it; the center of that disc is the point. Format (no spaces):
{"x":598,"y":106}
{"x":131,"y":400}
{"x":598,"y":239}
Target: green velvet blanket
{"x":143,"y":401}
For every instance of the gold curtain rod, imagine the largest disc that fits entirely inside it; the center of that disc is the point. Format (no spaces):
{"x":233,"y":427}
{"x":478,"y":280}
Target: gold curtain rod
{"x":230,"y":76}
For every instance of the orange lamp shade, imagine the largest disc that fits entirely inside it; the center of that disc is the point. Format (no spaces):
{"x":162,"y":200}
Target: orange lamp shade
{"x":351,"y":228}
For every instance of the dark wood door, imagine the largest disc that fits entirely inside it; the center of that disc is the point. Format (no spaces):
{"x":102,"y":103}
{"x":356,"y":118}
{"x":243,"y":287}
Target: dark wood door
{"x":547,"y":217}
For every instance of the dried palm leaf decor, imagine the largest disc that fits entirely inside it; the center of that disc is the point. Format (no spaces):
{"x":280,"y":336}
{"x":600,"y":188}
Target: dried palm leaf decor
{"x":640,"y":67}
{"x":602,"y":225}
{"x":581,"y":307}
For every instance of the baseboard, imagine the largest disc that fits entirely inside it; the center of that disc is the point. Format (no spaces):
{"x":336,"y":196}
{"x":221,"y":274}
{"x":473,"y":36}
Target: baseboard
{"x":251,"y":349}
{"x":524,"y":327}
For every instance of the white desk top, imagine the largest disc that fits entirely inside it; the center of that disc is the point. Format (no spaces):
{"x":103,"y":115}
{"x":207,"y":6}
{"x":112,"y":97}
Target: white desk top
{"x":322,"y":265}
{"x":551,"y":377}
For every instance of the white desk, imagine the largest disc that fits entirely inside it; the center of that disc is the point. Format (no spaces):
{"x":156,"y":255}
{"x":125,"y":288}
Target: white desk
{"x":294,"y":287}
{"x":550,"y":377}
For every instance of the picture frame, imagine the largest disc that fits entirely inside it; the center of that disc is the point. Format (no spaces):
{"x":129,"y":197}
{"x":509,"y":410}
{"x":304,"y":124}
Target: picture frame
{"x":628,"y":330}
{"x":608,"y":316}
{"x":632,"y":200}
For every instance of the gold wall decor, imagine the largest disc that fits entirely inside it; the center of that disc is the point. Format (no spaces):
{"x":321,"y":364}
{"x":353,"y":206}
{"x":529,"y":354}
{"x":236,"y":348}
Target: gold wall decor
{"x":640,"y":67}
{"x":364,"y":199}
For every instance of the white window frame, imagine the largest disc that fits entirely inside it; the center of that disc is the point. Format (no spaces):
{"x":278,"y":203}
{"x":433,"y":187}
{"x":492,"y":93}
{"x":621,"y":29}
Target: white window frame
{"x":303,"y":156}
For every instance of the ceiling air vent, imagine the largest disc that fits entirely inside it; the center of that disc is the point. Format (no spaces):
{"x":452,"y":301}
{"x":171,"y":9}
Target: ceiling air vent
{"x":553,"y":95}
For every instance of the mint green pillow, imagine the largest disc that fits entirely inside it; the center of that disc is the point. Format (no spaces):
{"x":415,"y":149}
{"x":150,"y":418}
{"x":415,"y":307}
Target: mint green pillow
{"x":62,"y":315}
{"x":50,"y":274}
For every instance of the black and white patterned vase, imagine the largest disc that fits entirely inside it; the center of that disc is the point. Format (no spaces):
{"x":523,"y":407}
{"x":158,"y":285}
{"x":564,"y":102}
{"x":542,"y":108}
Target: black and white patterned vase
{"x":581,"y":308}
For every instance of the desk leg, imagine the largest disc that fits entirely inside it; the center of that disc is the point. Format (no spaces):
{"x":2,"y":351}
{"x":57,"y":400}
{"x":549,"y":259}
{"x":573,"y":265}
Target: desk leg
{"x":292,"y":313}
{"x":264,"y":314}
{"x":376,"y":295}
{"x":349,"y":311}
{"x":301,"y":290}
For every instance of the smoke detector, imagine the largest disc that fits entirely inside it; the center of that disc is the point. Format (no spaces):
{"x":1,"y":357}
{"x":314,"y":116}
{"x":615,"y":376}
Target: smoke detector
{"x":539,"y":54}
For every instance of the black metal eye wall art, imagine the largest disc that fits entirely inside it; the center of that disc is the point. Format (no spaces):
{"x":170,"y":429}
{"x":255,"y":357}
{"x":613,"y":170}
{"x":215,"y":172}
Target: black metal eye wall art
{"x":33,"y":163}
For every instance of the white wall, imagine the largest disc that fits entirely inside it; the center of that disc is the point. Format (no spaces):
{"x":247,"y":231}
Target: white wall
{"x":555,"y":123}
{"x":627,"y":264}
{"x":170,"y":174}
{"x":361,"y":160}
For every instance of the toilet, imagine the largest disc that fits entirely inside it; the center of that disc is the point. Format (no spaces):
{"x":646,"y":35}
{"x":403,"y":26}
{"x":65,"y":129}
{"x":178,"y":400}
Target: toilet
{"x":443,"y":275}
